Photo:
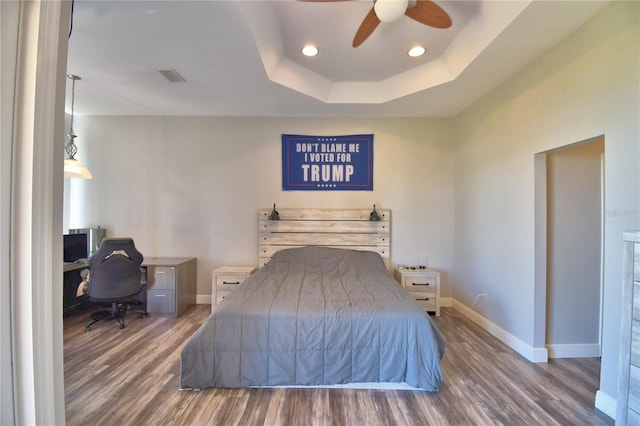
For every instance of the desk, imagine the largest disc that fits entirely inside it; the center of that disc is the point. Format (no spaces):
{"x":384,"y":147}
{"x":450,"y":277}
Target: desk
{"x":171,"y":284}
{"x":71,"y":281}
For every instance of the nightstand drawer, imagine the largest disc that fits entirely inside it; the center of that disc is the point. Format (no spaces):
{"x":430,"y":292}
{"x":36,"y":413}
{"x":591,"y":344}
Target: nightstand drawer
{"x":426,"y":300}
{"x":635,"y":343}
{"x":161,"y":277}
{"x":420,"y":283}
{"x":634,"y":389}
{"x":220,"y":295}
{"x":228,"y":281}
{"x":161,"y":302}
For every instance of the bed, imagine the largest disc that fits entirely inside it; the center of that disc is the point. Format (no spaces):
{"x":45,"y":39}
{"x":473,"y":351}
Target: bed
{"x":316,"y":316}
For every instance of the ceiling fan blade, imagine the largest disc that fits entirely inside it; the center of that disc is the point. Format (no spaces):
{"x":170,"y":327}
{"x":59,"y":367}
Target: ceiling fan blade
{"x":428,"y":13}
{"x":369,"y":24}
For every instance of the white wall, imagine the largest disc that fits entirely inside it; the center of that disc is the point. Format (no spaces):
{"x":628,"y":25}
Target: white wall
{"x":192,"y":186}
{"x":585,"y":87}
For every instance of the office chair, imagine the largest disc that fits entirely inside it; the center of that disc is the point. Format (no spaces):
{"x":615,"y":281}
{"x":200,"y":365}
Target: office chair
{"x":115,"y":277}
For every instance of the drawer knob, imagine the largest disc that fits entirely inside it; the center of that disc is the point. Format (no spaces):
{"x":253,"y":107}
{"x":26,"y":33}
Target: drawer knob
{"x":427,"y":284}
{"x":230,"y":282}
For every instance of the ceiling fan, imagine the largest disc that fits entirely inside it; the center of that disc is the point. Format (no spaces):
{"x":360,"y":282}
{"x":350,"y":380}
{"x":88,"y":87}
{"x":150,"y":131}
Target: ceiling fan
{"x":424,"y":11}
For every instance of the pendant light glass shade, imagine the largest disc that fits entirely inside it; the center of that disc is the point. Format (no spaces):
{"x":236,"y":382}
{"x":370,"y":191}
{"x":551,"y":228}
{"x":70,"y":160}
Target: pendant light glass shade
{"x":72,"y":167}
{"x":75,"y":169}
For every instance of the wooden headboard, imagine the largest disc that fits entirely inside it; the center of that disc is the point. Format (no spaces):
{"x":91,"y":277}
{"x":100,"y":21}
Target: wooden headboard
{"x":350,"y":229}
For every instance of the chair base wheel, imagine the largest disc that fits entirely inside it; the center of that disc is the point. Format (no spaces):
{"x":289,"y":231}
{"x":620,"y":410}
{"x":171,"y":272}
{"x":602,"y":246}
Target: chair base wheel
{"x":118,"y":310}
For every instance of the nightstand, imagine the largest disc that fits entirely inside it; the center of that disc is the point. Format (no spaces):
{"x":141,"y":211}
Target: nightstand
{"x":423,"y":285}
{"x":224,"y":280}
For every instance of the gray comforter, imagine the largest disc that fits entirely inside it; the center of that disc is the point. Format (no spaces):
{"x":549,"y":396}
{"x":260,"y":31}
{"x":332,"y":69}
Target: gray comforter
{"x":315,"y":316}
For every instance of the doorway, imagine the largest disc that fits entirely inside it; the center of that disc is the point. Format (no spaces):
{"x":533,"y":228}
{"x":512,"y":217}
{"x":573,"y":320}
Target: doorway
{"x":573,"y":261}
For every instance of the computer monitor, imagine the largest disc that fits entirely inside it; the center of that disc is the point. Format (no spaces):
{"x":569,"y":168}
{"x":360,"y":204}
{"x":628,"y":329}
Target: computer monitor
{"x":75,"y":247}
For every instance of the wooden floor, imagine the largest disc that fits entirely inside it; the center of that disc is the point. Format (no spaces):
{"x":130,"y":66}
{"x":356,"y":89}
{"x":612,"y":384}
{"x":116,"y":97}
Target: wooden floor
{"x":131,"y":377}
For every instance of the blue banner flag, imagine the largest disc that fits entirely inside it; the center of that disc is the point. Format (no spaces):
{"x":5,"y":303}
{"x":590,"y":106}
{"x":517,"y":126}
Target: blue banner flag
{"x":327,"y":163}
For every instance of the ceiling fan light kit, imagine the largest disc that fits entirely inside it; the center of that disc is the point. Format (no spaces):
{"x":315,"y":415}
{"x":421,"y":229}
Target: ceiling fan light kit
{"x":424,"y":11}
{"x":390,"y":10}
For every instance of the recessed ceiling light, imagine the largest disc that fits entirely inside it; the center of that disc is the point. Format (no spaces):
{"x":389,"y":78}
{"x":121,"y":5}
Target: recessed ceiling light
{"x":416,"y":51}
{"x":309,"y":50}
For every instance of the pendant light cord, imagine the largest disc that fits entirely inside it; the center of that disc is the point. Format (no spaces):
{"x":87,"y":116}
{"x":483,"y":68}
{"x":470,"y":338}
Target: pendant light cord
{"x":73,"y":98}
{"x":73,"y":2}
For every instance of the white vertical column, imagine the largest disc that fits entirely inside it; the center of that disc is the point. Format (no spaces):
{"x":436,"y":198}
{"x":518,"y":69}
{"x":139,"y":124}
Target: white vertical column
{"x":33,"y":134}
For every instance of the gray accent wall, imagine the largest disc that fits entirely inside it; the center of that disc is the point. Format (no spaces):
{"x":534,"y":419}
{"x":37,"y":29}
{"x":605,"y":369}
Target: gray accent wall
{"x":574,"y":245}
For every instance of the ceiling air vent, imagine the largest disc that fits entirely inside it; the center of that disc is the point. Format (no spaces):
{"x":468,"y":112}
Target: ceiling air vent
{"x":172,"y":75}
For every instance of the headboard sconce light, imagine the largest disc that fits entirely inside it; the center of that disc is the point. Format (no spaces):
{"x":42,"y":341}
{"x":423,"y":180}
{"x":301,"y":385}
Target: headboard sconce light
{"x":274,"y":215}
{"x":374,"y":216}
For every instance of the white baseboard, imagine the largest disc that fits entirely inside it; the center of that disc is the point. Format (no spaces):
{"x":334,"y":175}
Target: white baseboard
{"x":533,"y":354}
{"x":529,"y":352}
{"x":203,"y":299}
{"x":574,"y":351}
{"x":606,"y":404}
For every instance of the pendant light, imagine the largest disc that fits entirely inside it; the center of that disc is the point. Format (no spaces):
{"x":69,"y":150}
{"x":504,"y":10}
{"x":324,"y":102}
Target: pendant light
{"x":72,"y":167}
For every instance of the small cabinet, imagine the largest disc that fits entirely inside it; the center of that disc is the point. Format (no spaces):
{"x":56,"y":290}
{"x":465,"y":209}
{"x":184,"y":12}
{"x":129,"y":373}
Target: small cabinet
{"x":628,"y":405}
{"x":171,"y":285}
{"x":226,"y":279}
{"x":423,"y":285}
